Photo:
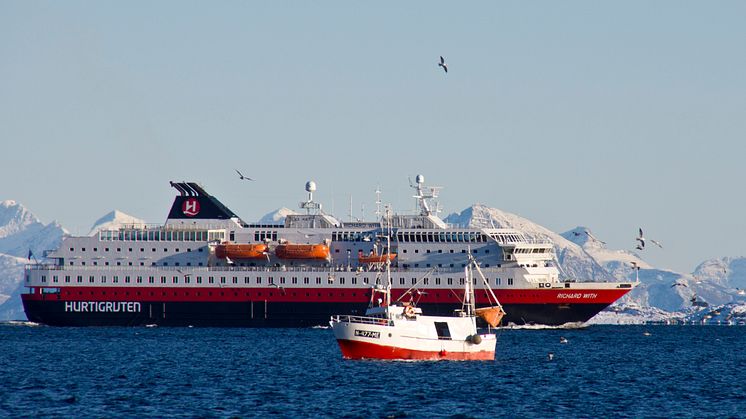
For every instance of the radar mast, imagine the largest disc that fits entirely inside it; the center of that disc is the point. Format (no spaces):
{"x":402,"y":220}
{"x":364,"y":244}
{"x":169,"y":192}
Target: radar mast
{"x":310,"y":205}
{"x":425,"y":193}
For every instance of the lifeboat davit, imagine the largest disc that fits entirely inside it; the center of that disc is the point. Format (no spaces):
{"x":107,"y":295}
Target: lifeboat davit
{"x":374,"y":258}
{"x":302,"y":251}
{"x":240,"y":251}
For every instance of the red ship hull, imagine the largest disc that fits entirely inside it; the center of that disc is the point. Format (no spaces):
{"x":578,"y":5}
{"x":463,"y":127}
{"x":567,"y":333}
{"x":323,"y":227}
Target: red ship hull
{"x":364,"y":350}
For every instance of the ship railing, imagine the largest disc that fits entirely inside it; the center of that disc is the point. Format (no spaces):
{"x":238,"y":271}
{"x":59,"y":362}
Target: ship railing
{"x":431,"y":272}
{"x":362,"y":320}
{"x":167,"y":227}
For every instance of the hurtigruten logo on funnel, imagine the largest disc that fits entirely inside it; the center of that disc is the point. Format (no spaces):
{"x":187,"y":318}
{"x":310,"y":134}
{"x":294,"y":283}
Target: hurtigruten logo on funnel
{"x":190,"y":207}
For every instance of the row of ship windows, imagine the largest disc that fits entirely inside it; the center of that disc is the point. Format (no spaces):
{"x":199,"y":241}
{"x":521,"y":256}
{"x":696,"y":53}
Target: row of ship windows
{"x":209,"y":294}
{"x":95,"y":263}
{"x":260,"y":236}
{"x":246,"y":280}
{"x":161,"y":235}
{"x":475,"y":251}
{"x":416,"y":237}
{"x":142,"y":249}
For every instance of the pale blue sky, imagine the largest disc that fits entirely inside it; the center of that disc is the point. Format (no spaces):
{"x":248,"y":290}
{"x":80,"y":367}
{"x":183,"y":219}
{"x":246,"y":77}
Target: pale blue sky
{"x":608,"y":115}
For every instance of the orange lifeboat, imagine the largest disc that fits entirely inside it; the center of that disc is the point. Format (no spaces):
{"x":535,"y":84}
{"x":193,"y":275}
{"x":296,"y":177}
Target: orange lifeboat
{"x":302,"y":251}
{"x":374,"y":258}
{"x":240,"y":251}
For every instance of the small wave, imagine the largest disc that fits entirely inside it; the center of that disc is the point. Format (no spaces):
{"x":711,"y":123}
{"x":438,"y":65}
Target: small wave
{"x":320,"y":327}
{"x":577,"y":325}
{"x":19,"y":323}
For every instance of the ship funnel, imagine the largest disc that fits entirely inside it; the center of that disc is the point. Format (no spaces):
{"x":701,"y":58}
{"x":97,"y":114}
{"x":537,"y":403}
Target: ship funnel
{"x":193,"y":202}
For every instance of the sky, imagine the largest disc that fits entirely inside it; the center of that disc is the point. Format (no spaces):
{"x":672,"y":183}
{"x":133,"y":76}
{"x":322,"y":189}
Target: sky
{"x":610,"y":115}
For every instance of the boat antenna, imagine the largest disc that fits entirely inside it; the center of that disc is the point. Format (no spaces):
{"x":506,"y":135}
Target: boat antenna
{"x":378,"y":202}
{"x":468,"y":302}
{"x":388,"y":256}
{"x":473,"y":262}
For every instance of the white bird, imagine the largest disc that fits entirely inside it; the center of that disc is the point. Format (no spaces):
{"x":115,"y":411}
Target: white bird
{"x":593,"y":238}
{"x":563,"y":339}
{"x":656,"y":243}
{"x":242,"y":177}
{"x":550,"y":356}
{"x":442,"y":63}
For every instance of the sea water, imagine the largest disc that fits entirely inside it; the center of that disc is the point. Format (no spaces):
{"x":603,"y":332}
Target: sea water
{"x":602,"y":371}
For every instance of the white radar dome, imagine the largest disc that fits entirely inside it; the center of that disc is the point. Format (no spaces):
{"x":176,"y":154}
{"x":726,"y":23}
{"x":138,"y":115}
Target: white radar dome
{"x":420,"y":179}
{"x":310,"y":186}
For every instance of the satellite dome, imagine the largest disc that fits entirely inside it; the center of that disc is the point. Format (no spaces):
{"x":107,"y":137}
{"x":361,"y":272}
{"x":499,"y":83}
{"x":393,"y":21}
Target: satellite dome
{"x":310,"y":186}
{"x":420,"y":179}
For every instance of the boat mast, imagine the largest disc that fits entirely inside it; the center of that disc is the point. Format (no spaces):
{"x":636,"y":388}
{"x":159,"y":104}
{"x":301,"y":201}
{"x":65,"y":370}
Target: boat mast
{"x":468,"y":288}
{"x":388,"y":255}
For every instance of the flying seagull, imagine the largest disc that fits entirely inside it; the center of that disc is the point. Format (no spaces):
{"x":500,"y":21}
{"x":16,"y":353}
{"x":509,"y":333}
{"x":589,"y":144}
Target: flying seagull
{"x":593,"y":238}
{"x":640,"y":239}
{"x":442,"y":63}
{"x":242,"y":177}
{"x":656,"y":243}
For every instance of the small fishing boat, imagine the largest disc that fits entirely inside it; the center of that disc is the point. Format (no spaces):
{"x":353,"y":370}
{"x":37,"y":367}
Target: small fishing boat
{"x":400,"y":331}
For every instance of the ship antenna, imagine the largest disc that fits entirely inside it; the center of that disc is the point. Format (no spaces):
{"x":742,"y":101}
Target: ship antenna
{"x":422,"y":196}
{"x":388,"y":255}
{"x":309,"y":205}
{"x":378,"y":202}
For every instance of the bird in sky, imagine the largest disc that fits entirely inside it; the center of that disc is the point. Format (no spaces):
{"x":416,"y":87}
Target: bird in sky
{"x":442,"y":63}
{"x":656,"y":243}
{"x":242,"y":177}
{"x":641,"y":240}
{"x":593,"y":238}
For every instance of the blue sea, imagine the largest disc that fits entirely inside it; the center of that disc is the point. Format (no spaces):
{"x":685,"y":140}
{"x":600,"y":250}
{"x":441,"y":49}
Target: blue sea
{"x":602,"y":371}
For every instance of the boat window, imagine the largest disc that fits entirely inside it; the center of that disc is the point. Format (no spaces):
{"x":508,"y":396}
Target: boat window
{"x":443,"y":332}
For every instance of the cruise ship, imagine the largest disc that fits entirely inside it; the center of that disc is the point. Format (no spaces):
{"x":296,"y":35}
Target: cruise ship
{"x":207,"y":267}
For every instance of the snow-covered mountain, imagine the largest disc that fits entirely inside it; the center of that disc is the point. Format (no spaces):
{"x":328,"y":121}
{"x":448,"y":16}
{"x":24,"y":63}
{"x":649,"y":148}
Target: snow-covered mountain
{"x":20,"y":232}
{"x":574,"y":261}
{"x":113,"y":220}
{"x":277,"y":216}
{"x":662,"y":294}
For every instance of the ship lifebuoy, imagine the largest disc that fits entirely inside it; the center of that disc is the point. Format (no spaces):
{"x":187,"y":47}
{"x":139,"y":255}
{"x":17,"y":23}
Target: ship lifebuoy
{"x":409,"y":311}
